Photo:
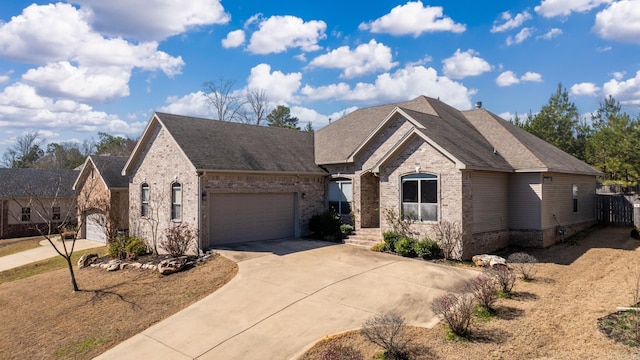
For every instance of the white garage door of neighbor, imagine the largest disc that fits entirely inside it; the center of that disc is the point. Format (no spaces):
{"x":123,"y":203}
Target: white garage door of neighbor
{"x":95,"y":227}
{"x":251,"y":217}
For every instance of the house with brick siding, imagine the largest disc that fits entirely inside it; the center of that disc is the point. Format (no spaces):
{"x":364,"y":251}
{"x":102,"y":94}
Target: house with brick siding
{"x":420,"y":158}
{"x":232,"y":182}
{"x":104,"y":193}
{"x":32,"y":199}
{"x":426,"y":160}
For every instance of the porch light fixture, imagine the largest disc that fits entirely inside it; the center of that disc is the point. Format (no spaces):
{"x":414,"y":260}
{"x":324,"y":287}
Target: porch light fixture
{"x":417,"y":169}
{"x":204,"y":196}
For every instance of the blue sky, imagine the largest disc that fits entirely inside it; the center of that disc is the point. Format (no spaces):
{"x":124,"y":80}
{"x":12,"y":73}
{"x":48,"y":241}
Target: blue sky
{"x":70,"y":70}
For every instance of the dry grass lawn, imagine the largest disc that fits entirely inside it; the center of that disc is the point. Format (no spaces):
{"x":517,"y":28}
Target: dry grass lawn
{"x":43,"y":319}
{"x":552,"y":317}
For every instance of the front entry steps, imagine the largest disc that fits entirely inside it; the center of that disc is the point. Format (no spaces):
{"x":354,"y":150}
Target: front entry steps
{"x":365,"y":237}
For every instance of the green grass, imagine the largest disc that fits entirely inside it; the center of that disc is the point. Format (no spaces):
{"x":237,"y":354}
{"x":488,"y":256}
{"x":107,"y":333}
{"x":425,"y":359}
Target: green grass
{"x":39,"y":267}
{"x":483,"y":314}
{"x":8,"y":247}
{"x":80,"y":348}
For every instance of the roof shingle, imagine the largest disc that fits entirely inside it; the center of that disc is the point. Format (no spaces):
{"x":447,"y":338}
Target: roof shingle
{"x":220,"y":145}
{"x":37,"y":183}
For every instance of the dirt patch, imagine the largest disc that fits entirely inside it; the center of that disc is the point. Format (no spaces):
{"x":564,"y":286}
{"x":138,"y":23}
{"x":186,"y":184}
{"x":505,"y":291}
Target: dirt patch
{"x":553,"y":317}
{"x":43,"y":319}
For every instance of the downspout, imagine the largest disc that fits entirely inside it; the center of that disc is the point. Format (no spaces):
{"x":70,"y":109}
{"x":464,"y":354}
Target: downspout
{"x":199,"y":197}
{"x":1,"y":218}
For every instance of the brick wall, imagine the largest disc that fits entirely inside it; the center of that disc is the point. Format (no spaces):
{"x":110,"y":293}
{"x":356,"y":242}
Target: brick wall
{"x":162,"y":165}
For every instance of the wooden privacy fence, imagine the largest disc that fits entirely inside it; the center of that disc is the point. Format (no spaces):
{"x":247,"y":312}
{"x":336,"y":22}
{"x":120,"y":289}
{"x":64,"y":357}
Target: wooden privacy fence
{"x":614,"y":210}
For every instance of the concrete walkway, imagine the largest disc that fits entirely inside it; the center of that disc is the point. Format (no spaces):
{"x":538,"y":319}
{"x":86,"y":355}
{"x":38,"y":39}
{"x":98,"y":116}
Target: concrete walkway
{"x":45,"y":251}
{"x":287,"y":295}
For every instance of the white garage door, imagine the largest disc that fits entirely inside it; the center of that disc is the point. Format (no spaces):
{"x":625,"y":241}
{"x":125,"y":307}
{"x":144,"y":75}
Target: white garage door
{"x":95,"y":227}
{"x":250,"y":217}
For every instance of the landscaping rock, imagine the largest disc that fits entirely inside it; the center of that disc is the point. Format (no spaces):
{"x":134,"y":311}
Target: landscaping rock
{"x":170,"y":266}
{"x":86,"y":260}
{"x":113,"y":265}
{"x":485,"y":260}
{"x":136,"y":265}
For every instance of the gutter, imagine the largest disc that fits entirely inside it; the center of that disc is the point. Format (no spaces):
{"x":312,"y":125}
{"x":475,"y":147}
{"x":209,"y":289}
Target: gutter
{"x":259,"y":172}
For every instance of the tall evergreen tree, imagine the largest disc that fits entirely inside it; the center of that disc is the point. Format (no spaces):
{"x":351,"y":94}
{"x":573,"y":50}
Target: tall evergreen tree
{"x":614,"y":145}
{"x":281,"y":117}
{"x":557,"y":122}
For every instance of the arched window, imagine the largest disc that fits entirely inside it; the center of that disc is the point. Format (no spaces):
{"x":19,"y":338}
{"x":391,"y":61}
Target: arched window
{"x":420,"y":197}
{"x":144,"y":200}
{"x":340,"y":196}
{"x":176,"y":201}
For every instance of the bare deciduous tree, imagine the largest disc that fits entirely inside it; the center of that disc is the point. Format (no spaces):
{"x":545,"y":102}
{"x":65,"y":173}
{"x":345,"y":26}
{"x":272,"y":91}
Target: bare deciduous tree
{"x":227,"y":105}
{"x":25,"y":152}
{"x":258,"y":105}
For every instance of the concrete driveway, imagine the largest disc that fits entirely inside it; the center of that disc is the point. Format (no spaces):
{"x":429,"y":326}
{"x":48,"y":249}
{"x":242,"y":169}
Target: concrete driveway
{"x":290,"y":293}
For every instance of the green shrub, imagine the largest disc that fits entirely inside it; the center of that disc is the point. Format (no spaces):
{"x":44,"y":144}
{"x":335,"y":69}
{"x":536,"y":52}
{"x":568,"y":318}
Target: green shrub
{"x":390,"y":238}
{"x":325,"y":226}
{"x":346,"y":230}
{"x":427,"y":249}
{"x":136,"y":246}
{"x":125,"y":246}
{"x":405,"y":247}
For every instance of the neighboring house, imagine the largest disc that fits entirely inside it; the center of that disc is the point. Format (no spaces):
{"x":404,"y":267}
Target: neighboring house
{"x":421,"y":159}
{"x":32,"y":199}
{"x":103,"y":197}
{"x":425,"y":159}
{"x":232,"y":182}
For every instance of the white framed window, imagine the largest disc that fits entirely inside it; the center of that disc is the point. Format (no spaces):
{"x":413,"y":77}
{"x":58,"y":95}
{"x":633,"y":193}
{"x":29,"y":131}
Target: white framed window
{"x":420,"y":197}
{"x":574,"y":189}
{"x":144,"y":200}
{"x":26,"y":214}
{"x":341,"y":196}
{"x":176,"y":201}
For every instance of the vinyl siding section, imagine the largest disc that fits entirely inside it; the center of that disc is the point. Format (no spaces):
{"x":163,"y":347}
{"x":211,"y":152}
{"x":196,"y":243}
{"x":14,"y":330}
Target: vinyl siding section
{"x":558,"y":199}
{"x":525,"y":195}
{"x":490,"y":201}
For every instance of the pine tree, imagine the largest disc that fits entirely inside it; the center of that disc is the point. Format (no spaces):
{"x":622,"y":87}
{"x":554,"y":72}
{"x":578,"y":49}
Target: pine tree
{"x":281,"y":117}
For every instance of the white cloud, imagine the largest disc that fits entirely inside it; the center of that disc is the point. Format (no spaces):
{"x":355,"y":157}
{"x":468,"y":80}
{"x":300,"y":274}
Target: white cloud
{"x":551,"y":8}
{"x":306,"y":115}
{"x":4,"y":78}
{"x":510,"y":22}
{"x":463,"y":64}
{"x":603,"y":49}
{"x":521,"y":36}
{"x":279,"y":87}
{"x":333,"y":91}
{"x":403,"y":84}
{"x":618,"y":75}
{"x":531,"y":76}
{"x":234,"y":39}
{"x":74,"y":57}
{"x":507,"y":116}
{"x":364,"y":59}
{"x":81,"y":83}
{"x":279,"y":33}
{"x":425,"y":60}
{"x":413,"y":18}
{"x":627,"y":92}
{"x":508,"y":78}
{"x":21,"y":106}
{"x":555,"y":32}
{"x":152,"y":19}
{"x":193,"y":104}
{"x":619,"y":22}
{"x":585,"y":88}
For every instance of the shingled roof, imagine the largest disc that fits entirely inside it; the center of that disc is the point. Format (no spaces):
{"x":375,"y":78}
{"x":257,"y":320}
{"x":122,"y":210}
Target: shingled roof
{"x":36,"y":183}
{"x":477,"y":138}
{"x":226,"y":146}
{"x":524,"y":151}
{"x":110,"y":169}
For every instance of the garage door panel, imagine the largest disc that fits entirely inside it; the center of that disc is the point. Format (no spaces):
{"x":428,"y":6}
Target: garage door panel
{"x":251,"y":217}
{"x":95,"y":227}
